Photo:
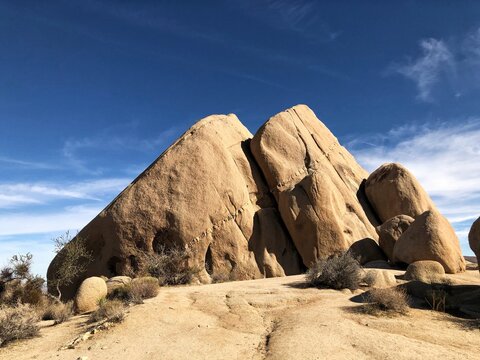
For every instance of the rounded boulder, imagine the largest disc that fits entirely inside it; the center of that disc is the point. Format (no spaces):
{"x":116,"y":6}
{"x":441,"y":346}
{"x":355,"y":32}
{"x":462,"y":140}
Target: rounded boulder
{"x":474,"y":239}
{"x":426,"y":271}
{"x":379,"y":278}
{"x":89,"y":293}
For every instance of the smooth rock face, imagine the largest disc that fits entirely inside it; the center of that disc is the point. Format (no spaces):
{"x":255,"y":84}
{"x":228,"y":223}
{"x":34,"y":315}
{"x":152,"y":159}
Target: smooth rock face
{"x":89,"y":293}
{"x":426,"y":271}
{"x":474,"y":239}
{"x":430,"y":237}
{"x":392,"y":190}
{"x":203,"y":194}
{"x":390,"y":231}
{"x":315,"y":181}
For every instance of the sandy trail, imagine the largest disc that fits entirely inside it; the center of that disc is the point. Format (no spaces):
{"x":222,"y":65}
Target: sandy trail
{"x":259,"y":319}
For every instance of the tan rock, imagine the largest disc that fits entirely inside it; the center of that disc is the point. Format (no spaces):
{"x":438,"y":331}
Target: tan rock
{"x":430,"y":237}
{"x":392,"y":190}
{"x":474,"y":239}
{"x":202,"y":195}
{"x":316,"y":182}
{"x":427,"y":271}
{"x":89,"y":293}
{"x":366,"y":250}
{"x":390,"y":231}
{"x":377,"y":278}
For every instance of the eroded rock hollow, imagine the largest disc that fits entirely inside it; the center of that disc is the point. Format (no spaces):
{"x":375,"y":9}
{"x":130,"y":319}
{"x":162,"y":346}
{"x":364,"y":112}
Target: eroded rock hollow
{"x":245,"y":206}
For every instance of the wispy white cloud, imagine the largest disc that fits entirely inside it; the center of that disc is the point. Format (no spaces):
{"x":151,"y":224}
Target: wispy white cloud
{"x":31,"y":165}
{"x":435,"y":61}
{"x":19,"y":194}
{"x":455,"y":65}
{"x":444,"y":158}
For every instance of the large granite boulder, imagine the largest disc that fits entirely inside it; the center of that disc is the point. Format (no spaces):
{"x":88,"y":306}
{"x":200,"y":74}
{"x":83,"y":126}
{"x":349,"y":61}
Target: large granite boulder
{"x":474,"y":239}
{"x":316,"y":182}
{"x":430,"y":237}
{"x":205,"y":195}
{"x":90,"y":292}
{"x":390,"y":231}
{"x":392,"y":190}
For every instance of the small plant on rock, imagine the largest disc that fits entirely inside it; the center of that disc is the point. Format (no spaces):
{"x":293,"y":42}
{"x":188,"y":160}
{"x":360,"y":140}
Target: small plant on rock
{"x":340,"y":271}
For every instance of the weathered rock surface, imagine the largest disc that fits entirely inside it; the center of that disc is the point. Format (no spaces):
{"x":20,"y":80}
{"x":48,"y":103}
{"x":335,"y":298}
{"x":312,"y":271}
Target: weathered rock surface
{"x":316,"y":182}
{"x":89,"y":293}
{"x":392,"y":190}
{"x":203,"y":194}
{"x":474,"y":239}
{"x":377,"y":278}
{"x":430,"y":237}
{"x":390,"y":231}
{"x":426,"y":271}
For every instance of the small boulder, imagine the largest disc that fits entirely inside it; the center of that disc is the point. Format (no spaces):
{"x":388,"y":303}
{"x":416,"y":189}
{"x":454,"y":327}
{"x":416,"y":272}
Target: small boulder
{"x":390,"y":231}
{"x":89,"y":293}
{"x":474,"y":239}
{"x":116,"y":282}
{"x":430,"y":237}
{"x":426,"y":271}
{"x":392,"y":190}
{"x":379,"y":278}
{"x":366,"y":250}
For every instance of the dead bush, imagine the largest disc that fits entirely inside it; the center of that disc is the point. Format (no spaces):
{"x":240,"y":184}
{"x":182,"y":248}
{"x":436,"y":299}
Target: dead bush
{"x":137,"y":291}
{"x":58,"y":311}
{"x":437,"y":300}
{"x":18,"y":322}
{"x":110,"y":310}
{"x":392,"y":300}
{"x":341,"y":271}
{"x":170,"y":266}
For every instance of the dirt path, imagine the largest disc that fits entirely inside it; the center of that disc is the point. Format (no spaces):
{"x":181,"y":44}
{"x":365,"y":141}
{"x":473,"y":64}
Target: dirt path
{"x":259,"y":319}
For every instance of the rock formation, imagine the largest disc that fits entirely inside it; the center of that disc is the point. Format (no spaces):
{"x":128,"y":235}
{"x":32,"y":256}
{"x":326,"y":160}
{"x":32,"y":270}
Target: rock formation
{"x":474,"y":239}
{"x":430,"y":237}
{"x":244,"y":207}
{"x":426,"y":271}
{"x":315,"y":182}
{"x":393,"y":190}
{"x":390,"y":231}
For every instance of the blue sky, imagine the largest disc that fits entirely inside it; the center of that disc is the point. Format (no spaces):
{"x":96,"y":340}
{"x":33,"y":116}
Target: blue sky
{"x":91,"y":92}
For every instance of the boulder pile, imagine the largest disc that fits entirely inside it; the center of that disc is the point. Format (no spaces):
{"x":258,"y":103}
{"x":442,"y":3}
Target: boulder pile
{"x":247,"y":206}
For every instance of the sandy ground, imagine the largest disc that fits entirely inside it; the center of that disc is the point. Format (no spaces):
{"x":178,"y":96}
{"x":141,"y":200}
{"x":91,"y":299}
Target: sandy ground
{"x":260,"y":319}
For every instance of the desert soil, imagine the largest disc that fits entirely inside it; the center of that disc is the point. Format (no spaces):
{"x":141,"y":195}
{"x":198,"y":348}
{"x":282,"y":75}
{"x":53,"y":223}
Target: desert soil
{"x":260,"y":319}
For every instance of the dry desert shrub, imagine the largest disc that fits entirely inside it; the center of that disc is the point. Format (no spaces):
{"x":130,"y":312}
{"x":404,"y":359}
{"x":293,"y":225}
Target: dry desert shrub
{"x":169,"y":266}
{"x":58,"y":311}
{"x":392,"y":300}
{"x":109,"y":310}
{"x":138,"y":290}
{"x":437,"y":299}
{"x":341,"y":271}
{"x":18,"y":322}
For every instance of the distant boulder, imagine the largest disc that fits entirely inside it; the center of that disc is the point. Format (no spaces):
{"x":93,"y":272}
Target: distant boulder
{"x":392,"y":190}
{"x":390,"y":231}
{"x":430,"y":237}
{"x":474,"y":239}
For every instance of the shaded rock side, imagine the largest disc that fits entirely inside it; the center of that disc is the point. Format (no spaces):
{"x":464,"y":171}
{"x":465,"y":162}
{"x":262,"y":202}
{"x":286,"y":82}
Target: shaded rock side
{"x":474,"y":239}
{"x":204,"y":195}
{"x":316,"y":182}
{"x":392,"y":190}
{"x":390,"y":231}
{"x":430,"y":237}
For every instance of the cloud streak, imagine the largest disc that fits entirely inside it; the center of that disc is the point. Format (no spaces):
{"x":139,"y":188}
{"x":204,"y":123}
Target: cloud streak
{"x":454,"y":64}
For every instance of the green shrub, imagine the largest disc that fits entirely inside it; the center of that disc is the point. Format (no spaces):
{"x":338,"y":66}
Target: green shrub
{"x":110,"y":310}
{"x":341,"y":271}
{"x":18,"y":322}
